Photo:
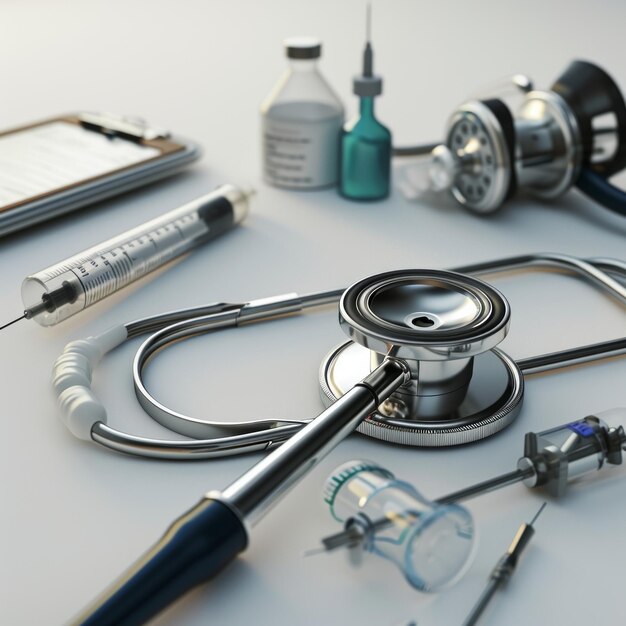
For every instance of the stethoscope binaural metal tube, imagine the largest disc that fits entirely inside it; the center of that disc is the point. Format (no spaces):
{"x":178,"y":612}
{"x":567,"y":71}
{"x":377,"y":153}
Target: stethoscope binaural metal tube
{"x":595,"y":272}
{"x":573,"y":356}
{"x":246,"y":436}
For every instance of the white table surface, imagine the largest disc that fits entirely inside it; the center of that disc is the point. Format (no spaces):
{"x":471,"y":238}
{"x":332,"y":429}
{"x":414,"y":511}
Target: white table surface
{"x":75,"y":515}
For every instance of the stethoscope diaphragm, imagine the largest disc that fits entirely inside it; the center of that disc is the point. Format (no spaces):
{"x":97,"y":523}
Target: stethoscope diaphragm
{"x":445,"y":327}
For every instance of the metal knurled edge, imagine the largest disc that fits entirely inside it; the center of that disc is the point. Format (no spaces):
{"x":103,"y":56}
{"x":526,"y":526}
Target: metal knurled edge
{"x":427,"y":437}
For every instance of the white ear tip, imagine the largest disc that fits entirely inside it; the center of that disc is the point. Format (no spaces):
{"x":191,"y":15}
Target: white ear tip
{"x":71,"y":369}
{"x":80,"y":410}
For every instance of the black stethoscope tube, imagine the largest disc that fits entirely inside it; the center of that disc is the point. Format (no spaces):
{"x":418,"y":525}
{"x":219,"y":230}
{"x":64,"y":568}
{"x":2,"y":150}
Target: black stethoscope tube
{"x":602,"y":191}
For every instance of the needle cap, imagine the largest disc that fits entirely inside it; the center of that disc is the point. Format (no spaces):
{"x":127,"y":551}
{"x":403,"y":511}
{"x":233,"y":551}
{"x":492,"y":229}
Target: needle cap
{"x":367,"y":86}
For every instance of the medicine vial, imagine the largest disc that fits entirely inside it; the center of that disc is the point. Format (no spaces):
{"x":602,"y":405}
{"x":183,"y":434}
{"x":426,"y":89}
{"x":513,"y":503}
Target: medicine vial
{"x":301,"y":121}
{"x":365,"y":147}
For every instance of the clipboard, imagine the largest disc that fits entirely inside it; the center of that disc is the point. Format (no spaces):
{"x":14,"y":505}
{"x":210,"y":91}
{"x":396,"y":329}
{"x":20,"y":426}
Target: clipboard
{"x":64,"y":163}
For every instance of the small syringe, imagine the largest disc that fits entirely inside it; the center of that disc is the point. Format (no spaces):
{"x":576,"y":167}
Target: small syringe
{"x":554,"y":457}
{"x":70,"y":286}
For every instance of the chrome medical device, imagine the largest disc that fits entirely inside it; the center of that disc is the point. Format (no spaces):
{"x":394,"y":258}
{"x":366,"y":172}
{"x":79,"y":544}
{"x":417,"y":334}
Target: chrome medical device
{"x":70,"y":286}
{"x":573,"y":134}
{"x":431,"y":541}
{"x":505,"y":567}
{"x":442,"y":327}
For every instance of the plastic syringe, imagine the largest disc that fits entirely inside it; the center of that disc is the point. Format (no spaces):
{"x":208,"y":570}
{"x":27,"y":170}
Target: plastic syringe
{"x":70,"y":286}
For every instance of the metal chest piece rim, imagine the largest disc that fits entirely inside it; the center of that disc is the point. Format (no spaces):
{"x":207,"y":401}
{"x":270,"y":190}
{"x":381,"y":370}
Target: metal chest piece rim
{"x":446,"y":326}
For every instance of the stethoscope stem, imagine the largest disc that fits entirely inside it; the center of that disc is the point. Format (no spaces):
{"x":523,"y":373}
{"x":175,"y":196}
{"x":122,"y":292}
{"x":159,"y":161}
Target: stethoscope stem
{"x":254,"y":493}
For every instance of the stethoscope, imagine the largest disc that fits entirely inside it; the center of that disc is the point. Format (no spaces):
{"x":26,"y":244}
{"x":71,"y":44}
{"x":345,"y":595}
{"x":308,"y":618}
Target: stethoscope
{"x":440,"y":329}
{"x":573,"y":134}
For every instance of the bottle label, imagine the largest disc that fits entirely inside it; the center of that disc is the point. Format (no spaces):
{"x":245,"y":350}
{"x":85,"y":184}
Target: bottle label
{"x":300,"y":153}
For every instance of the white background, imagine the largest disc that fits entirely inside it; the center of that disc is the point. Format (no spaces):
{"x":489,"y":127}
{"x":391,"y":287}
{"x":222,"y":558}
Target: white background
{"x":75,"y":515}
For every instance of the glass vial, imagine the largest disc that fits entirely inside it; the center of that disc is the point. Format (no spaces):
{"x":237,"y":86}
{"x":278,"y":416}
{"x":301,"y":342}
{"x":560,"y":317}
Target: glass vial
{"x":365,"y":147}
{"x":431,"y":543}
{"x":301,"y":121}
{"x":365,"y":156}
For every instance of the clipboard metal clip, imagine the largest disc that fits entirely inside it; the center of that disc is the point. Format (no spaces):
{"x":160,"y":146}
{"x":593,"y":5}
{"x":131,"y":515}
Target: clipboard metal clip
{"x":133,"y":129}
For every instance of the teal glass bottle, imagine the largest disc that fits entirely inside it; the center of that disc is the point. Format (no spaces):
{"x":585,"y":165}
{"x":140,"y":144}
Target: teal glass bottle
{"x":365,"y":156}
{"x":365,"y":144}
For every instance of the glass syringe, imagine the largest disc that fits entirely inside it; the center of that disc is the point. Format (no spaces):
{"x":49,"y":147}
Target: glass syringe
{"x":61,"y":290}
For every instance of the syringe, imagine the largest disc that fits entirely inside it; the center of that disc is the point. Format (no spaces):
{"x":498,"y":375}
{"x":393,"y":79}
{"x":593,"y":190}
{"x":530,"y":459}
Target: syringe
{"x":61,"y":290}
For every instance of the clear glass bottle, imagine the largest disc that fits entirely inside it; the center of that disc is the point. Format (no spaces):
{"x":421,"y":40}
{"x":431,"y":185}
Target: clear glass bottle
{"x":301,"y":121}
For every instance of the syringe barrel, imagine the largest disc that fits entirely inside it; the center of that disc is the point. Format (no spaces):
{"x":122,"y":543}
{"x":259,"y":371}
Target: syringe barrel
{"x":61,"y":290}
{"x":561,"y":454}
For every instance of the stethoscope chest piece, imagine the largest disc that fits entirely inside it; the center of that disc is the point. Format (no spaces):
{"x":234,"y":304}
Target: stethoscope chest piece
{"x":445,"y":327}
{"x":480,"y":135}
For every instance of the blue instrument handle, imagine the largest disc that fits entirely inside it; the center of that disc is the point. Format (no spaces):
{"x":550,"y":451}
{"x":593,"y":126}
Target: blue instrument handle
{"x":193,"y":549}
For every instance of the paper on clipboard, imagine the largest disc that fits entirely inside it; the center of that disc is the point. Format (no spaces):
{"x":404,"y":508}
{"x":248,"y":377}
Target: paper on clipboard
{"x":68,"y":162}
{"x":52,"y":156}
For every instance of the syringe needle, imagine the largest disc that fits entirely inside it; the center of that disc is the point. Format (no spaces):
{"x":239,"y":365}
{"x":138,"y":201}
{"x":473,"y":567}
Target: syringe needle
{"x":350,"y":537}
{"x":21,"y":317}
{"x":315,"y":551}
{"x":537,"y":514}
{"x":504,"y":568}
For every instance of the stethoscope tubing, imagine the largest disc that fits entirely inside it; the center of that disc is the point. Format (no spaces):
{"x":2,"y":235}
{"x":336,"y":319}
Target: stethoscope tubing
{"x":602,"y":191}
{"x":247,"y":436}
